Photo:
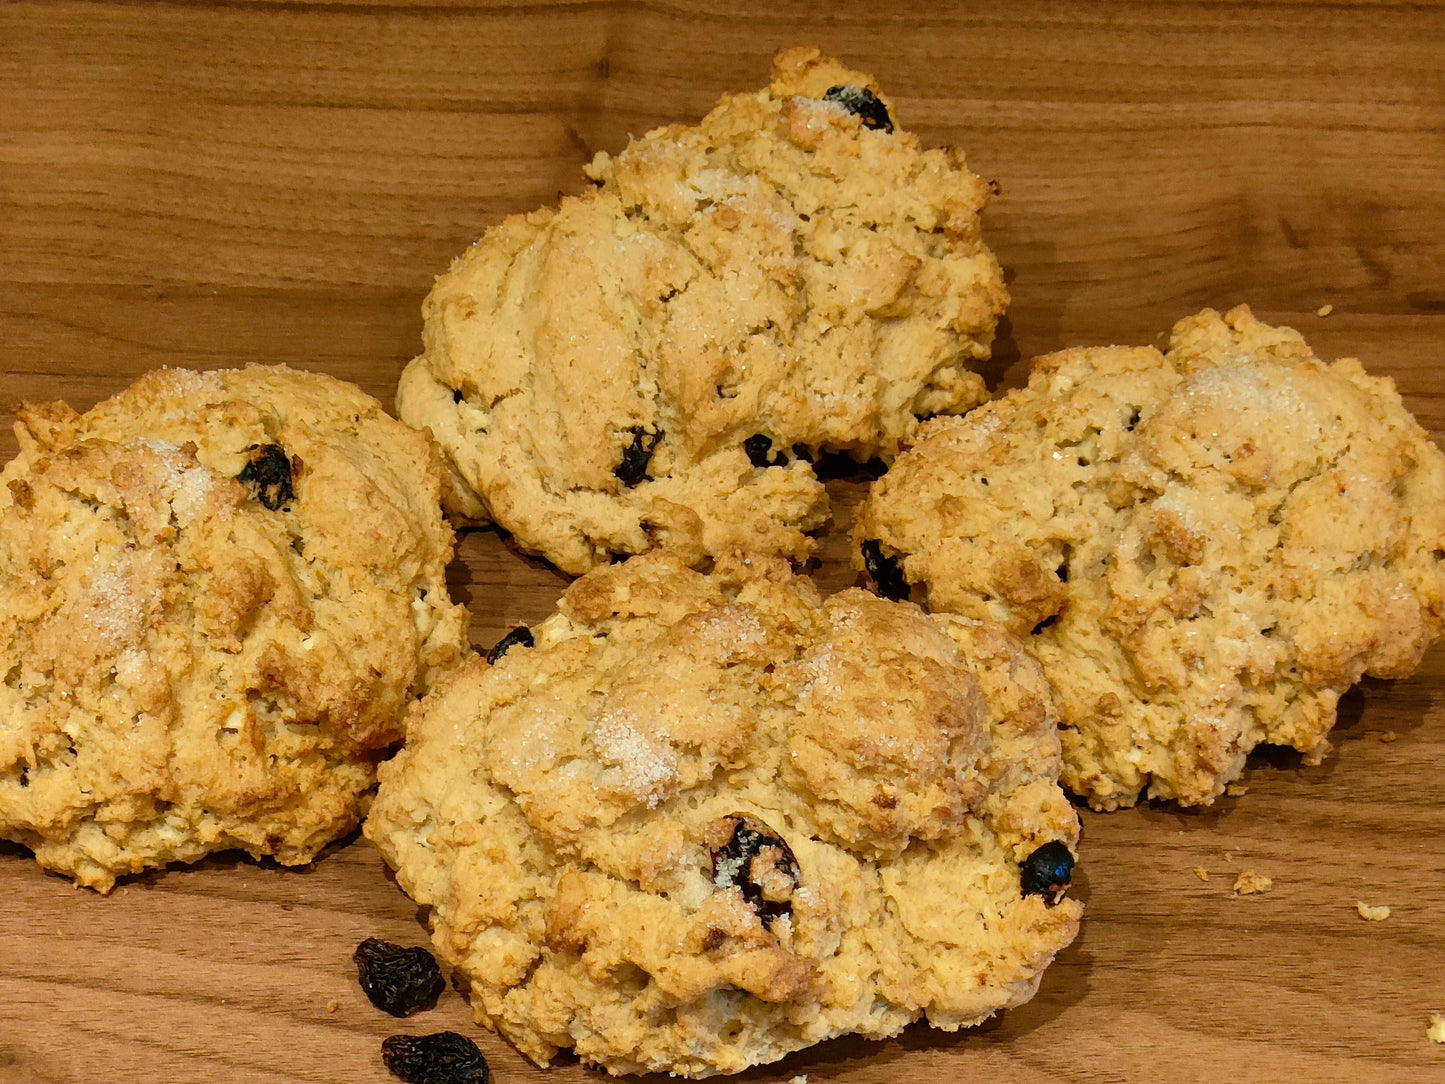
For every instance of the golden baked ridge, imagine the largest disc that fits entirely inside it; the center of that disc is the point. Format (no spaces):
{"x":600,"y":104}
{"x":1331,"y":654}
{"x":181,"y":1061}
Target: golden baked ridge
{"x":218,"y":593}
{"x":1205,"y":548}
{"x":710,"y":819}
{"x":660,"y":359}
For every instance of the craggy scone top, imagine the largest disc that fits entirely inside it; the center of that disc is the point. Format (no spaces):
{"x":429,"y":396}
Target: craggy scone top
{"x":218,"y":592}
{"x":661,"y":358}
{"x":1205,"y":548}
{"x":710,"y":819}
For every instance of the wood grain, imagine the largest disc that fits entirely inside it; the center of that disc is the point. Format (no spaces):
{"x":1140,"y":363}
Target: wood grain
{"x":223,"y":181}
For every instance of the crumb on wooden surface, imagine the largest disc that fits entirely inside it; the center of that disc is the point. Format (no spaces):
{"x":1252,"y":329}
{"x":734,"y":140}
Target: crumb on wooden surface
{"x":1372,"y":914}
{"x":1250,"y":883}
{"x":1324,"y":310}
{"x":1201,"y":873}
{"x":1389,"y":736}
{"x":801,"y":1078}
{"x":1436,"y":1031}
{"x":332,"y":1006}
{"x":1234,"y":790}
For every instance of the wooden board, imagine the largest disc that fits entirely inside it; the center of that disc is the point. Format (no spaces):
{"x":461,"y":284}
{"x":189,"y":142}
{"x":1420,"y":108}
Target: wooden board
{"x":225,"y":181}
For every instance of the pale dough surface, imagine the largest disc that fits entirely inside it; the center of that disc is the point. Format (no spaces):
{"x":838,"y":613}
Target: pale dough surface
{"x":780,"y":272}
{"x":1205,"y":548}
{"x":565,"y":814}
{"x":187,"y":669}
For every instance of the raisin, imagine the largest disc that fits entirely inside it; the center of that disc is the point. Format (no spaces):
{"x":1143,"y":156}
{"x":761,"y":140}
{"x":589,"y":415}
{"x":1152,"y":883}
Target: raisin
{"x":268,"y":473}
{"x":519,"y":635}
{"x":1047,"y":872}
{"x":443,"y":1057}
{"x":885,"y":571}
{"x":751,"y":859}
{"x":758,"y":448}
{"x":398,"y":980}
{"x":862,"y":103}
{"x":635,"y":457}
{"x":457,"y":395}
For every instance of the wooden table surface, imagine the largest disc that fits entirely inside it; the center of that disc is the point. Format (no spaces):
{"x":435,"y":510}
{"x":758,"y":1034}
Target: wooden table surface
{"x":225,"y":181}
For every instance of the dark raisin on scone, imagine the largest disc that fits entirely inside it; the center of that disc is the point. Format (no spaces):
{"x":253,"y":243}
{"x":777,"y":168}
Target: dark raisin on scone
{"x":1205,"y":548}
{"x":218,"y":594}
{"x":708,"y":819}
{"x":632,"y":367}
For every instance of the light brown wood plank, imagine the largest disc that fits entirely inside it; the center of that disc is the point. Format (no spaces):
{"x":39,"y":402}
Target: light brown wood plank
{"x":217,"y":183}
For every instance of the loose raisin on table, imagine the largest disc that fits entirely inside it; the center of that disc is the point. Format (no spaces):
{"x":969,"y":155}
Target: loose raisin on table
{"x":268,"y":474}
{"x":440,"y":1058}
{"x":519,"y":635}
{"x":398,"y":980}
{"x":885,"y":571}
{"x":1047,"y":872}
{"x":756,"y":860}
{"x":635,"y":457}
{"x":863,"y":103}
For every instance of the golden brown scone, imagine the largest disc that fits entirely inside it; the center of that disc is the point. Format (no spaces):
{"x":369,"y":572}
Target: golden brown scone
{"x":218,"y":592}
{"x":659,"y":360}
{"x":1209,"y":546}
{"x":710,"y":819}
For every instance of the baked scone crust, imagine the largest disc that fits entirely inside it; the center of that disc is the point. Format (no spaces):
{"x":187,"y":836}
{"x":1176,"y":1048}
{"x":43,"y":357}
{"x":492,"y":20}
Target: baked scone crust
{"x":780,"y":270}
{"x":194,"y":662}
{"x":561,"y":814}
{"x":1205,"y":548}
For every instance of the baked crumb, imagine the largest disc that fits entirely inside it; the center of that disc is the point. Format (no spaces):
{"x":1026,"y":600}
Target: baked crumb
{"x":1324,"y":310}
{"x":1188,"y":444}
{"x":332,"y":1006}
{"x":167,"y":563}
{"x":1201,"y":873}
{"x":1250,"y":883}
{"x":642,"y":796}
{"x":718,"y":220}
{"x":1235,"y":790}
{"x":1372,"y":914}
{"x":1389,"y":736}
{"x":1436,"y":1031}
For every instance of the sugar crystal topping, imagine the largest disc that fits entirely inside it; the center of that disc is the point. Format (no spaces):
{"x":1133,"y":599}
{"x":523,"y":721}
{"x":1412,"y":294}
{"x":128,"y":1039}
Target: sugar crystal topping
{"x":643,"y":763}
{"x":193,"y":491}
{"x":1244,"y":385}
{"x":116,"y":612}
{"x":191,"y":382}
